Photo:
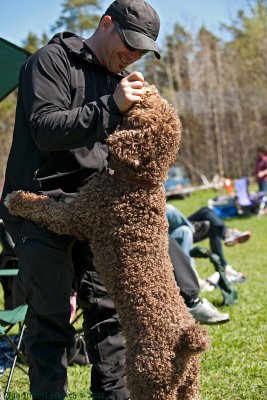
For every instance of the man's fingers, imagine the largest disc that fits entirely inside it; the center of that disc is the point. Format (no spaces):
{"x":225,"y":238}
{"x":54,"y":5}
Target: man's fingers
{"x":135,"y":76}
{"x":132,"y":84}
{"x":134,"y":93}
{"x":137,"y":84}
{"x":129,"y":91}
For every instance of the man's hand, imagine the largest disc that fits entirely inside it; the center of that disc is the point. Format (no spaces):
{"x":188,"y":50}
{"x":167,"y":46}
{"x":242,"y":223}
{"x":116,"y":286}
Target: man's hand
{"x":129,"y":91}
{"x":261,"y":174}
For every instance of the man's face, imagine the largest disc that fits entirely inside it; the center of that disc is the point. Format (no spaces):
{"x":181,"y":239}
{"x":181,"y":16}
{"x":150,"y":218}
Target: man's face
{"x":115,"y":55}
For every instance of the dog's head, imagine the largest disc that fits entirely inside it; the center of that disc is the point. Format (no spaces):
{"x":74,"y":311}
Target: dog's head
{"x":148,"y":138}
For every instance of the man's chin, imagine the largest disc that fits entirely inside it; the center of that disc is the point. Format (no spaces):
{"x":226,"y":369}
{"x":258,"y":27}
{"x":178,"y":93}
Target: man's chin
{"x":118,"y":67}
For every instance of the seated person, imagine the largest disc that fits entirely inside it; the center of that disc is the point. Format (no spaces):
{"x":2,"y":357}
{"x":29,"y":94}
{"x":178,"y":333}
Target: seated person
{"x":181,"y":230}
{"x":214,"y":229}
{"x":202,"y":310}
{"x":260,"y":171}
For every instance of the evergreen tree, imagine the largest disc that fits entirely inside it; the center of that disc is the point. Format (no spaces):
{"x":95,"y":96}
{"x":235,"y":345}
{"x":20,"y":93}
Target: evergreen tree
{"x":78,"y":16}
{"x":32,"y":42}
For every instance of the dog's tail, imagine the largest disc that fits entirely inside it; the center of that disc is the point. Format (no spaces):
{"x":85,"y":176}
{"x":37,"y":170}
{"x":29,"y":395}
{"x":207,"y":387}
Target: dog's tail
{"x":194,"y":339}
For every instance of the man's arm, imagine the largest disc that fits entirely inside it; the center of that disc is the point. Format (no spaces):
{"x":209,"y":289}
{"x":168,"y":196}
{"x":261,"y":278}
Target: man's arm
{"x":46,"y":92}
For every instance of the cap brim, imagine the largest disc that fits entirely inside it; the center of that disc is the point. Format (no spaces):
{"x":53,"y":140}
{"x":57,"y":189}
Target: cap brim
{"x":139,"y":41}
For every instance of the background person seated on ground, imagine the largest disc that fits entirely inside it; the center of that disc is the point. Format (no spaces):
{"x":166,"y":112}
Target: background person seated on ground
{"x":201,"y":309}
{"x":260,"y":171}
{"x":202,"y":224}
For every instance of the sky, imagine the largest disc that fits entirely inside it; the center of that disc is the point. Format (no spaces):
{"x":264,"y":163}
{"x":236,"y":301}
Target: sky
{"x":18,"y":17}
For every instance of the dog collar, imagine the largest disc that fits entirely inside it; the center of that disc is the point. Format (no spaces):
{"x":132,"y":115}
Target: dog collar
{"x":131,"y":179}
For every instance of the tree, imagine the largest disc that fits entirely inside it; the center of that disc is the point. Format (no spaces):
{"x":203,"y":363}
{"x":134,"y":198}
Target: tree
{"x":249,"y":45}
{"x":7,"y":115}
{"x":78,"y":16}
{"x":33,"y":42}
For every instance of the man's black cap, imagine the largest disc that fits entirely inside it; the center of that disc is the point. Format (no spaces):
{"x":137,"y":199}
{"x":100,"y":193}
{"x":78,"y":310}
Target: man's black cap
{"x":139,"y":23}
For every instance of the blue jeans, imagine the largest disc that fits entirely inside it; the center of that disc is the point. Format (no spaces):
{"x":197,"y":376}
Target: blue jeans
{"x":262,"y":186}
{"x":216,"y":232}
{"x":181,"y":230}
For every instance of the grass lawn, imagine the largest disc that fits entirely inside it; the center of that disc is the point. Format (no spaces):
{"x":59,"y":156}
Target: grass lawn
{"x":235,"y":367}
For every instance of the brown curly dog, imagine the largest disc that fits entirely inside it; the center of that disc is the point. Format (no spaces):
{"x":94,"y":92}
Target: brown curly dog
{"x":121,"y":211}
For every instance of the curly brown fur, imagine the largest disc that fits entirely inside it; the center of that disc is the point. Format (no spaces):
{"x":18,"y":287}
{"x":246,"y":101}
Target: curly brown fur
{"x":126,"y":225}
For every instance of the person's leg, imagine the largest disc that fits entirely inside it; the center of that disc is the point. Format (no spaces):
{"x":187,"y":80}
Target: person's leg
{"x":8,"y":260}
{"x":44,"y":281}
{"x":216,"y":246}
{"x":103,"y":336}
{"x":206,"y":214}
{"x":46,"y":339}
{"x":184,"y":236}
{"x":176,"y":218}
{"x":263,"y":186}
{"x":7,"y":242}
{"x":216,"y":232}
{"x":185,"y":276}
{"x":202,"y":311}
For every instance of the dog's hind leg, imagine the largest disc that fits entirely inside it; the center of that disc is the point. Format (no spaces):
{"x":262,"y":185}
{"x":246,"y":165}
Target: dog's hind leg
{"x":189,"y":389}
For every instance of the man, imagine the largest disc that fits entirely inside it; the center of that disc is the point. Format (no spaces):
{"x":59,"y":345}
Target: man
{"x":72,"y":94}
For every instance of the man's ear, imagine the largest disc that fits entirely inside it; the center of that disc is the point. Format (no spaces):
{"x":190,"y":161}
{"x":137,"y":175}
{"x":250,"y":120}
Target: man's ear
{"x":125,"y":146}
{"x":105,"y":23}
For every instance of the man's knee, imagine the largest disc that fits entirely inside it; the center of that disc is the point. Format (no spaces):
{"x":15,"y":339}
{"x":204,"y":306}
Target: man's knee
{"x":182,"y":234}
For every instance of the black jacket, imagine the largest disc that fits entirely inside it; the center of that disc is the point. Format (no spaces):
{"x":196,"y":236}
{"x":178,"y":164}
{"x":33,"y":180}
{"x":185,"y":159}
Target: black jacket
{"x":65,"y":105}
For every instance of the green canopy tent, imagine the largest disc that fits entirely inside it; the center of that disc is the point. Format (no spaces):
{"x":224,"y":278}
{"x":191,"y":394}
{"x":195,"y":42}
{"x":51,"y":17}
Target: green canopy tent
{"x":11,"y":59}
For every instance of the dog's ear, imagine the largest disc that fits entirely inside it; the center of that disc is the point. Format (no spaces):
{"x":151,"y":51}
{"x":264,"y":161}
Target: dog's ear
{"x":126,"y":146}
{"x":148,"y":134}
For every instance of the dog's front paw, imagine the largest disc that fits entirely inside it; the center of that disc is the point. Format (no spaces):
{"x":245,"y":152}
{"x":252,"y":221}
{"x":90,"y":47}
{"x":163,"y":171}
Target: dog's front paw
{"x":7,"y":200}
{"x":13,"y":201}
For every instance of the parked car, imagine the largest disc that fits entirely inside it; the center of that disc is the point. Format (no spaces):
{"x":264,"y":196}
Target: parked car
{"x":177,"y":181}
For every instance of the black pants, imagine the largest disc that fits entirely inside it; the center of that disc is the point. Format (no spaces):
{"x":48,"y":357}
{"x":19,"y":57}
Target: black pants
{"x":184,"y":274}
{"x":216,"y":232}
{"x":50,"y":266}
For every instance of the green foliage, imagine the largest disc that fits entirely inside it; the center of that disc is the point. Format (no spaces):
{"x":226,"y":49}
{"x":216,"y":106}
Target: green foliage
{"x":248,"y":46}
{"x":31,"y":43}
{"x":235,"y":366}
{"x":7,"y":114}
{"x":79,"y":16}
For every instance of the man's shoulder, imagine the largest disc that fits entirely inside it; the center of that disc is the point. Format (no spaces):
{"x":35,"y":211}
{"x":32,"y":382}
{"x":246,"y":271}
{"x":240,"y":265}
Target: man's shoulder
{"x":61,"y":46}
{"x":68,"y":40}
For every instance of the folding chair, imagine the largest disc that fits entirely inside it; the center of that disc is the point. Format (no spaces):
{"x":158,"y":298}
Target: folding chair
{"x":8,"y":319}
{"x":244,"y":201}
{"x":249,"y":203}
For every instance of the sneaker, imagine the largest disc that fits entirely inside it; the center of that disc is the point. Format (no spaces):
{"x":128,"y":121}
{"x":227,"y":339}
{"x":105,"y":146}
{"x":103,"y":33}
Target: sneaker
{"x":234,"y":276}
{"x":233,"y":236}
{"x":205,"y":313}
{"x":214,"y":279}
{"x":205,"y":286}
